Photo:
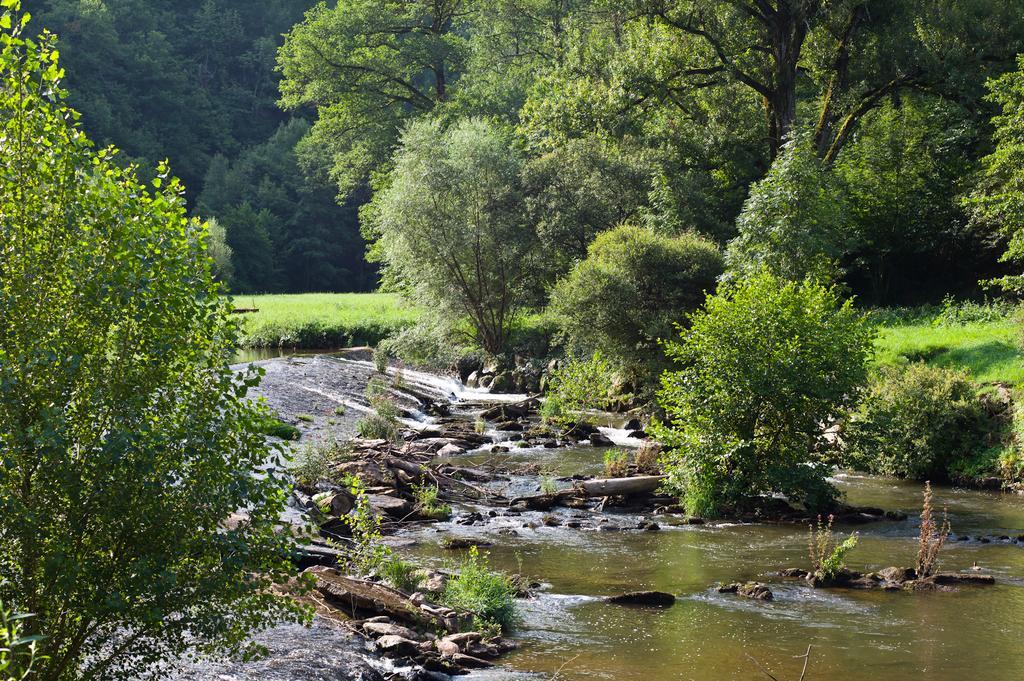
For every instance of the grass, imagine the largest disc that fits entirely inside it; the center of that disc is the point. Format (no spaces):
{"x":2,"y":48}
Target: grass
{"x":989,"y":349}
{"x":322,"y":320}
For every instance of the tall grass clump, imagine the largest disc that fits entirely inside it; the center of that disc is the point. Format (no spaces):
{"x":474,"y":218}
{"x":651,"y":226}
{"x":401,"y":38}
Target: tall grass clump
{"x":931,"y":538}
{"x":382,"y":423}
{"x":828,"y":558}
{"x":488,"y":595}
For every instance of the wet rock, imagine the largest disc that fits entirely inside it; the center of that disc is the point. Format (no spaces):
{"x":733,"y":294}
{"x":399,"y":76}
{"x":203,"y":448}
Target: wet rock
{"x":447,"y":648}
{"x":797,"y":573}
{"x":896,"y":574}
{"x":510,"y":426}
{"x":503,"y":383}
{"x":390,"y":629}
{"x":656,"y":599}
{"x":397,"y":646}
{"x":473,"y":380}
{"x":450,"y":450}
{"x":459,"y":543}
{"x":953,"y":578}
{"x":389,"y":505}
{"x":499,"y":449}
{"x":648,"y":526}
{"x":754,"y":590}
{"x":551,"y":521}
{"x":633,"y":424}
{"x":470,"y":662}
{"x":599,"y":439}
{"x":638,"y":434}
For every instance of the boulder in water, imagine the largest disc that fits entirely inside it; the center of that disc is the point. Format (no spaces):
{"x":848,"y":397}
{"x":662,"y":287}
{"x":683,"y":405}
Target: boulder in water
{"x":656,"y":599}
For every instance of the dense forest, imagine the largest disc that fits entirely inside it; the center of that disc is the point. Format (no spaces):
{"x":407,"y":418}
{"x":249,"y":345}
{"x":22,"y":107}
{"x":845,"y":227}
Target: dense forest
{"x":195,"y":82}
{"x":673,"y":114}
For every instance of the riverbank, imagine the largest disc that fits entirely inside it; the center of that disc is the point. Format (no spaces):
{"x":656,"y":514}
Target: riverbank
{"x":582,"y":555}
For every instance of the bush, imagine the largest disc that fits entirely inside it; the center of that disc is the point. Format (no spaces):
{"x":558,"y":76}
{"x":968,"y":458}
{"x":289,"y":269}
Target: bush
{"x":765,"y":364}
{"x":828,"y":558}
{"x":428,"y":344}
{"x":630,"y":291}
{"x":915,"y":422}
{"x":428,"y":505}
{"x":127,"y":440}
{"x":314,"y":462}
{"x":489,"y":596}
{"x":616,"y":464}
{"x":578,"y":386}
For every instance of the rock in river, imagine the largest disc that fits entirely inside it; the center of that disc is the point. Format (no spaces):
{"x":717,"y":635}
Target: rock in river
{"x":658,"y":599}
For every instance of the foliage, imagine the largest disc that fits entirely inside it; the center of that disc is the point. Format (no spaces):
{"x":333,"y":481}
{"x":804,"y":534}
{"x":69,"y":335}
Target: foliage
{"x":576,"y":387}
{"x":794,"y":222}
{"x":370,"y":66}
{"x":313,"y":463}
{"x":219,"y":250}
{"x":381,"y":358}
{"x":577,"y":191}
{"x":18,"y":653}
{"x":323,"y":320}
{"x":631,"y":290}
{"x":548,"y":486}
{"x":128,"y":440}
{"x":489,"y":596}
{"x":429,"y":343}
{"x":828,"y":558}
{"x":616,"y":464}
{"x":275,"y":427}
{"x":381,"y":423}
{"x":764,"y":365}
{"x":427,"y":503}
{"x":646,"y":458}
{"x":1000,"y":197}
{"x":449,"y":226}
{"x":915,"y":422}
{"x":285,"y":230}
{"x":931,"y":537}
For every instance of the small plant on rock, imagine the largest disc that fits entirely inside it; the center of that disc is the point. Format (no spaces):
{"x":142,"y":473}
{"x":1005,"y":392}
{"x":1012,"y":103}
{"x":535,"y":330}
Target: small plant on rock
{"x":548,"y":486}
{"x":380,"y":360}
{"x":427,"y":503}
{"x":314,"y":462}
{"x":828,"y":559}
{"x":480,"y":425}
{"x":616,"y":464}
{"x":489,"y":596}
{"x":931,"y":538}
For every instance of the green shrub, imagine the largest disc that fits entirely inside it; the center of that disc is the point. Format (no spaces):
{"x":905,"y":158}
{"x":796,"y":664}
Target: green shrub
{"x":428,"y":505}
{"x":578,"y":386}
{"x":828,"y":558}
{"x":916,"y":422}
{"x":489,"y":596}
{"x":275,"y":427}
{"x":377,"y":427}
{"x":765,"y":364}
{"x":616,"y":463}
{"x":630,"y":291}
{"x":399,"y":573}
{"x":313,"y":463}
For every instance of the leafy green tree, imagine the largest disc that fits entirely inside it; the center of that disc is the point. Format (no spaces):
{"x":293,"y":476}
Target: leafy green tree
{"x":220,"y":252}
{"x":794,"y":221}
{"x":577,"y":191}
{"x":629,"y":293}
{"x":850,"y":55}
{"x":999,"y":199}
{"x":764,"y":365}
{"x":369,"y":66}
{"x":903,"y":178}
{"x":286,"y":230}
{"x":449,"y":226}
{"x":135,"y":526}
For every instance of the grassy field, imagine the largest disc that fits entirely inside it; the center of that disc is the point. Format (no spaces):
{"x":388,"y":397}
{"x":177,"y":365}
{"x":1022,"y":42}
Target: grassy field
{"x":989,"y":349}
{"x":322,"y":320}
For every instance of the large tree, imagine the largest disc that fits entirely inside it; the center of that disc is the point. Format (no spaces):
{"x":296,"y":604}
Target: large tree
{"x":848,"y":55}
{"x":139,"y":519}
{"x":368,"y":67}
{"x":450,"y":226}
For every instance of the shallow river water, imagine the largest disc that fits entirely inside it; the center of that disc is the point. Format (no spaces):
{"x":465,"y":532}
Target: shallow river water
{"x":976,"y":633}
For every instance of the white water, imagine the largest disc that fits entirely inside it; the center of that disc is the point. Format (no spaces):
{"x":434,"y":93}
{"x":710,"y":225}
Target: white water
{"x":448,"y":386}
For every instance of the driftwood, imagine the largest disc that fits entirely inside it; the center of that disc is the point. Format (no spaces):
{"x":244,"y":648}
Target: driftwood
{"x":624,"y":487}
{"x":357,"y":597}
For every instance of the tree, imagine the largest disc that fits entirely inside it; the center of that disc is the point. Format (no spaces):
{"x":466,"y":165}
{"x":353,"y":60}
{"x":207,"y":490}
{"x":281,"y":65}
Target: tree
{"x":794,"y":222}
{"x":128,"y":443}
{"x":368,"y":66}
{"x":220,"y":252}
{"x":852,"y":54}
{"x":578,"y":191}
{"x":999,"y":199}
{"x":449,"y":225}
{"x":633,"y":288}
{"x":763,"y":366}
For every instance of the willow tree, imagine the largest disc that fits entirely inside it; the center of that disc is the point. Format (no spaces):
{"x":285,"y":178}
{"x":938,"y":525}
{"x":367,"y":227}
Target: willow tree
{"x":127,"y":444}
{"x":450,"y":226}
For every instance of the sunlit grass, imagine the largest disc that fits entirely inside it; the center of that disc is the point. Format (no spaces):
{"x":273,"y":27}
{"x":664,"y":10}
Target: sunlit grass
{"x":322,"y":320}
{"x":989,"y":350}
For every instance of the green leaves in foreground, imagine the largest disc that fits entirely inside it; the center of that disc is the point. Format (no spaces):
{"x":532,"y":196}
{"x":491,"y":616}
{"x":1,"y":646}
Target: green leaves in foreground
{"x":127,"y":445}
